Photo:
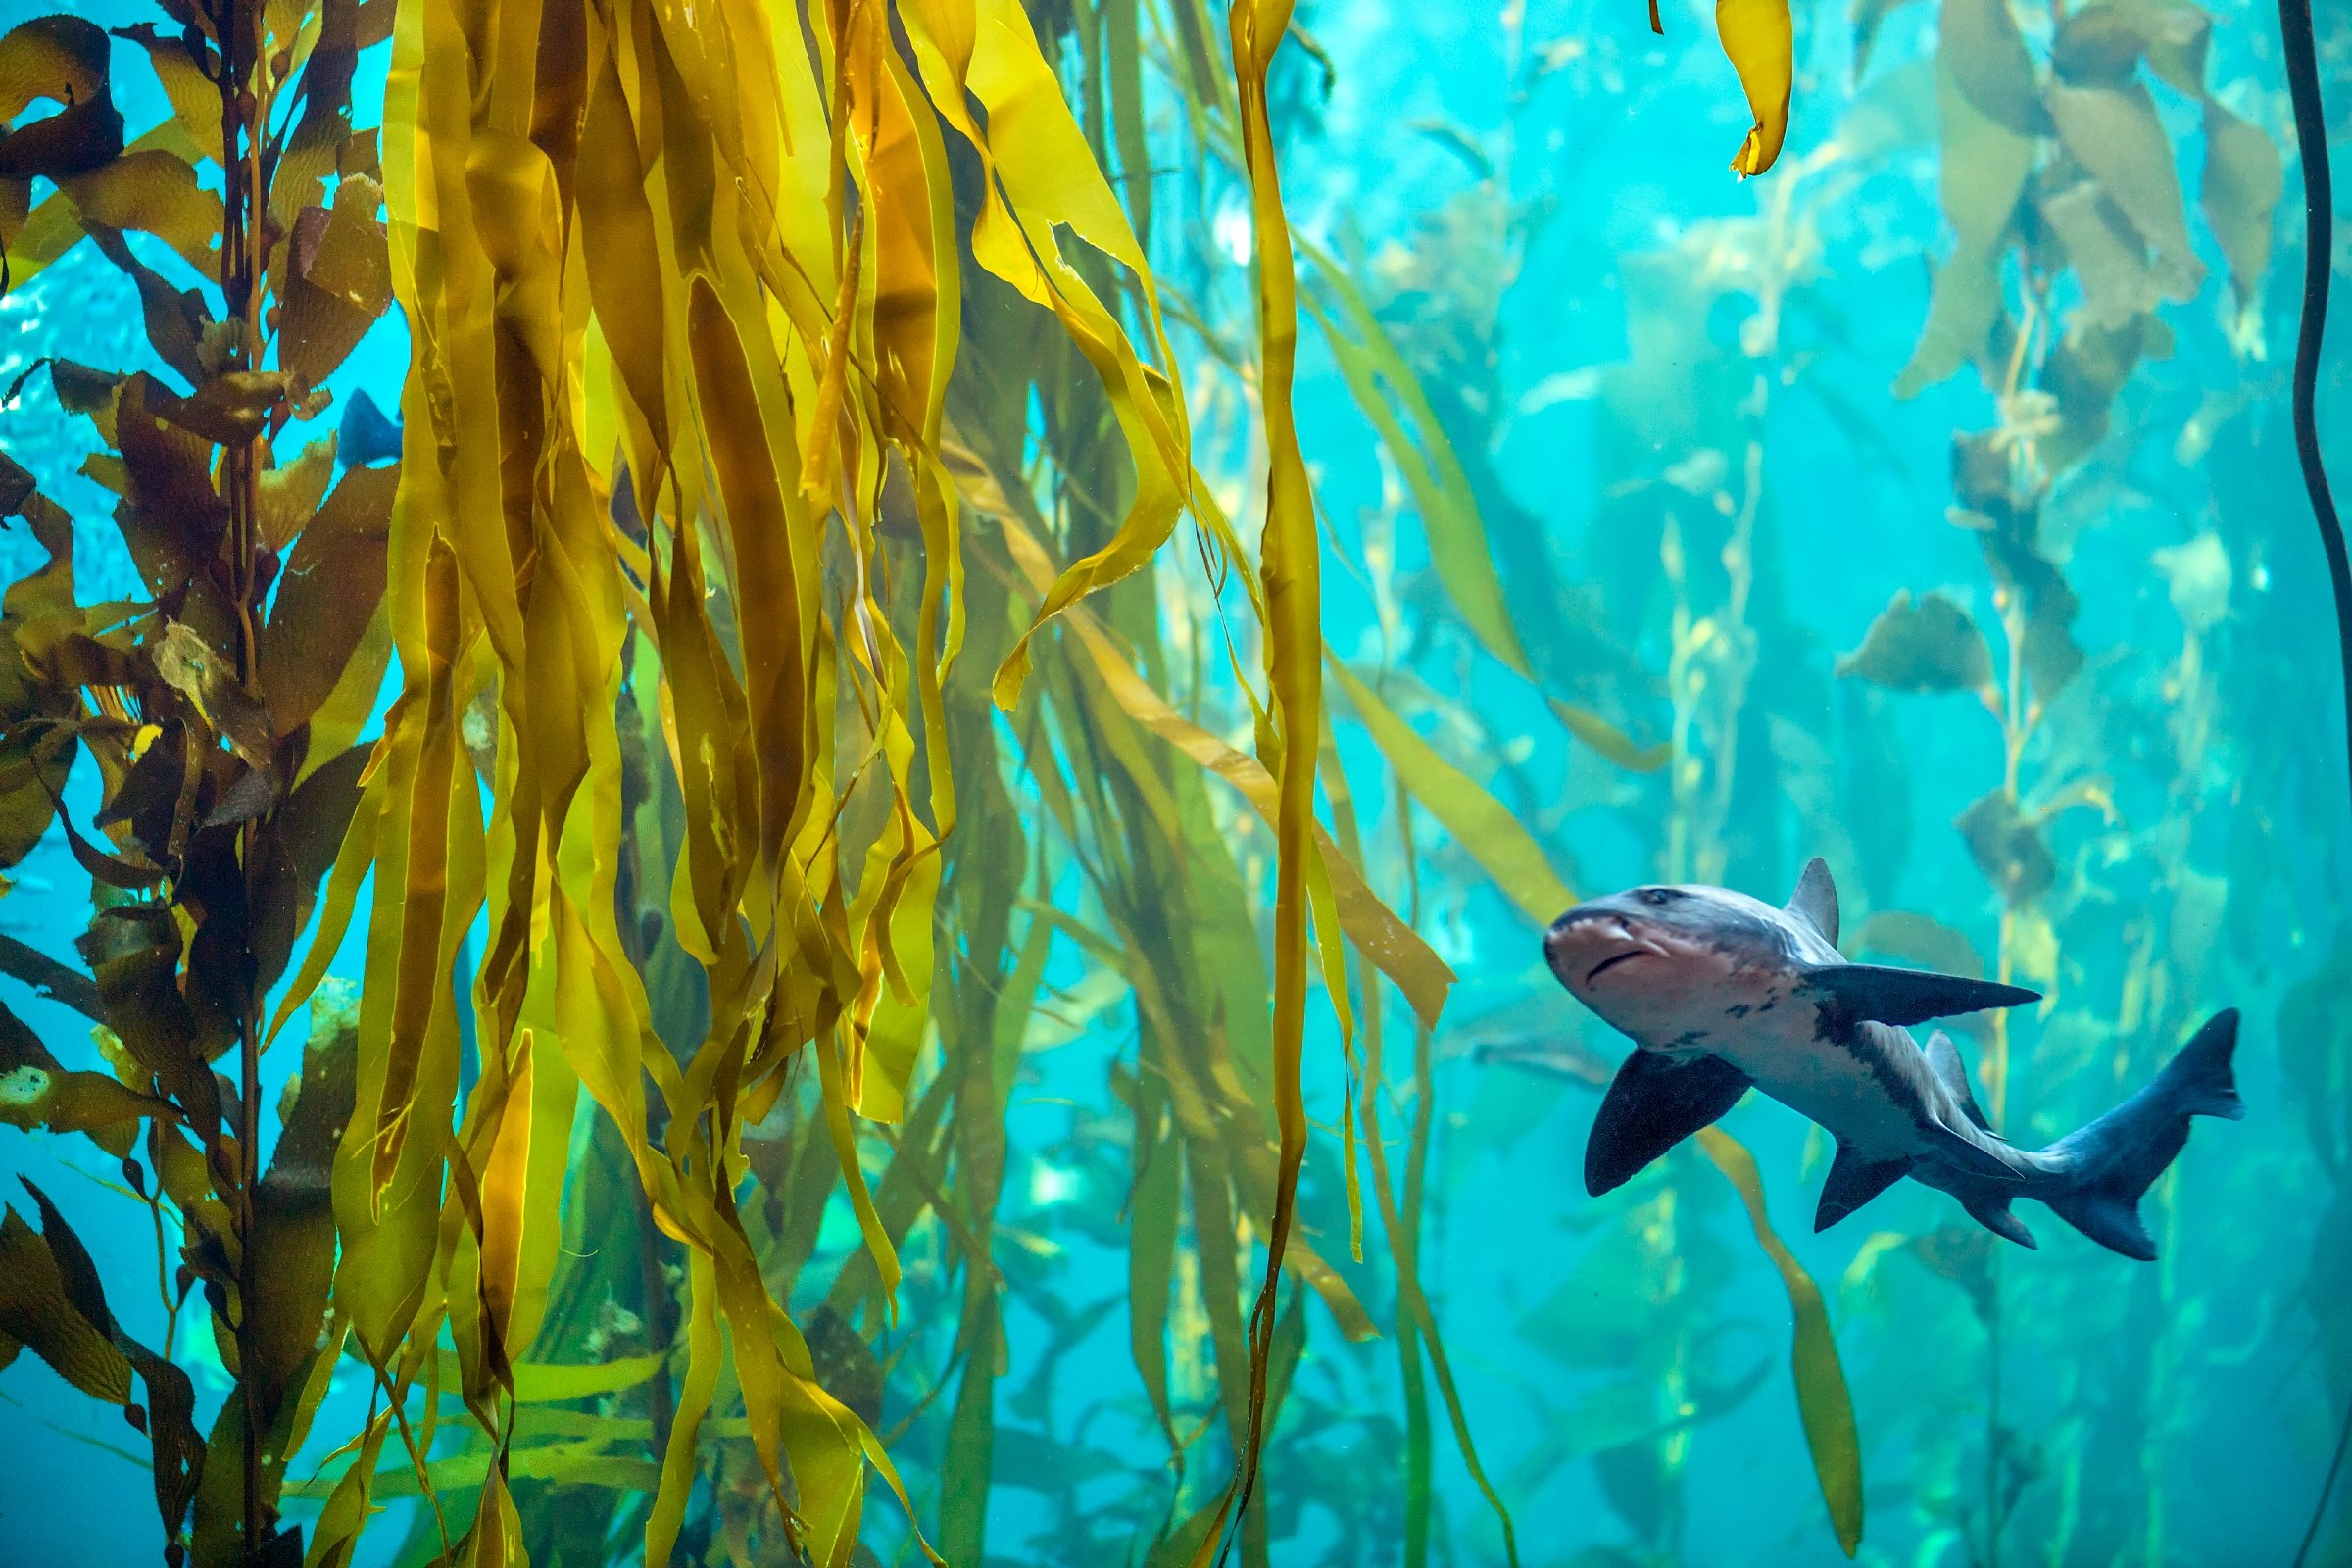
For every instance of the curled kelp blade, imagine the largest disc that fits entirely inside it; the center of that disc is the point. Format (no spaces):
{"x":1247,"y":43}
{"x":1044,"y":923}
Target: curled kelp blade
{"x":1823,"y":1402}
{"x":1758,"y":37}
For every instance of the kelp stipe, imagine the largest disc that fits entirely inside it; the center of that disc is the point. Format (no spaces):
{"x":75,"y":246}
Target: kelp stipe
{"x":2318,"y":228}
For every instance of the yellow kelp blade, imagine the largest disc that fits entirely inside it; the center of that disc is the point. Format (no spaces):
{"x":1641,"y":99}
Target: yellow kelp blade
{"x":1482,"y":824}
{"x":1394,"y":947}
{"x":1822,"y":1400}
{"x":1758,"y":37}
{"x":1290,"y":569}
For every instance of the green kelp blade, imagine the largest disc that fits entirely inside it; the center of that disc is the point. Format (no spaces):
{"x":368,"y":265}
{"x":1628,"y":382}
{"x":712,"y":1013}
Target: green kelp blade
{"x":1482,"y":824}
{"x":1389,"y":394}
{"x":1822,"y":1400}
{"x":1367,"y":359}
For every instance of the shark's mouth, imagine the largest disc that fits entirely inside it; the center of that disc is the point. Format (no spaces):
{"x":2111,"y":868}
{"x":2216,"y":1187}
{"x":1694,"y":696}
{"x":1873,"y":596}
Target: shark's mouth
{"x":1612,"y":962}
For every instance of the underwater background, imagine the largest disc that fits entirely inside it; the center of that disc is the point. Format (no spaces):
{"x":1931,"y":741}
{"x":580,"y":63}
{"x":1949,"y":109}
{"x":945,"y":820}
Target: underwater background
{"x":1926,"y":502}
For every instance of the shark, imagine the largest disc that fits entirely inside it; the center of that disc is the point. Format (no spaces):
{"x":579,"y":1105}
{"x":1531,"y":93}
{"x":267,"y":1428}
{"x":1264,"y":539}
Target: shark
{"x":1721,"y":993}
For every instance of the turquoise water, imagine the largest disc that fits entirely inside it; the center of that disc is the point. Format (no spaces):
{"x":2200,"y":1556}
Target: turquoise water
{"x":1673,"y":397}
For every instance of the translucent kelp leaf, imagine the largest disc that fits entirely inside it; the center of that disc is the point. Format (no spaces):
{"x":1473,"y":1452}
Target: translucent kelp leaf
{"x":1504,"y":848}
{"x":1983,"y":170}
{"x":156,"y":192}
{"x":39,"y":1311}
{"x":1920,"y":940}
{"x":2114,"y":134}
{"x":176,"y":320}
{"x":1389,"y":395}
{"x":2099,"y":45}
{"x":2007,"y":847}
{"x":338,"y":282}
{"x":1985,"y":53}
{"x":1822,"y":1400}
{"x":1927,"y":643}
{"x":291,"y":493}
{"x":2107,"y":254}
{"x":195,"y":101}
{"x":1396,"y":947}
{"x":36,"y":1092}
{"x":63,"y":59}
{"x":2244,"y":177}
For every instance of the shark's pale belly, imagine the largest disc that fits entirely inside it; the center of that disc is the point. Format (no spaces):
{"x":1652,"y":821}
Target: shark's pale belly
{"x":1845,"y":1088}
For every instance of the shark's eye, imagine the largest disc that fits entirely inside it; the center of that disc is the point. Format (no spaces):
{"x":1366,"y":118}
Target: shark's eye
{"x":1657,"y":896}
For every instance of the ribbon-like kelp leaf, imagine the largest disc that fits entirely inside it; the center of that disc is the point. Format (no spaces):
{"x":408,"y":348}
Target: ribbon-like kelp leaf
{"x":1393,"y":946}
{"x":1478,"y":822}
{"x":1391,"y":396}
{"x":50,"y":1311}
{"x":176,"y":320}
{"x":546,"y":1383}
{"x":1927,"y":643}
{"x":1290,"y":569}
{"x":1822,"y":1400}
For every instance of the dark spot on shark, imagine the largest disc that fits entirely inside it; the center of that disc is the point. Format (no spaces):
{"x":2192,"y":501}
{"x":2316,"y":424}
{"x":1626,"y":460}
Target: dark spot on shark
{"x":1768,"y":1003}
{"x":1737,"y":1009}
{"x":1687,"y":1040}
{"x":1857,"y":1042}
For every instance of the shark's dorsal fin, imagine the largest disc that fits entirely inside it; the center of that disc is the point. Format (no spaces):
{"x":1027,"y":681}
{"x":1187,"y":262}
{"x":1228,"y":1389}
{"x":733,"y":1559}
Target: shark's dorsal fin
{"x":1945,"y":1058}
{"x":1815,"y":900}
{"x":1854,"y":1181}
{"x":1866,"y":991}
{"x":1654,"y":1103}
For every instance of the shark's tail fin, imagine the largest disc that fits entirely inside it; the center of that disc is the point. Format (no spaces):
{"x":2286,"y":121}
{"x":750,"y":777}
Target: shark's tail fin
{"x":2114,"y":1159}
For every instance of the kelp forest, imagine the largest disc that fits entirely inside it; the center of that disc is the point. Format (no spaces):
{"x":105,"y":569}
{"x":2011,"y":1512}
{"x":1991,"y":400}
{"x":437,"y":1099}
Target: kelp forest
{"x":779,"y":779}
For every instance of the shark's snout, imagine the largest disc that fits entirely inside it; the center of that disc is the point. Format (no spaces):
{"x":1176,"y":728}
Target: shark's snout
{"x":1589,"y":940}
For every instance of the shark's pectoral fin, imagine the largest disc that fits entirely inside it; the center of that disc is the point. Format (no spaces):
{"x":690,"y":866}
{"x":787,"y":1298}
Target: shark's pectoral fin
{"x":1905,"y":997}
{"x":1854,"y":1181}
{"x":1653,"y":1104}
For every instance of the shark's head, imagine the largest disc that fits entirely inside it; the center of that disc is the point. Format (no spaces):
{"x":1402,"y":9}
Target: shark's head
{"x":1652,"y":959}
